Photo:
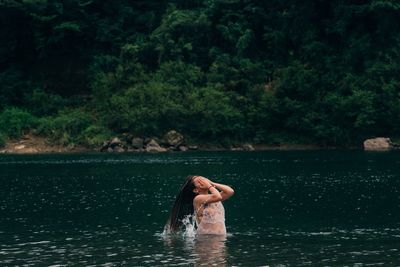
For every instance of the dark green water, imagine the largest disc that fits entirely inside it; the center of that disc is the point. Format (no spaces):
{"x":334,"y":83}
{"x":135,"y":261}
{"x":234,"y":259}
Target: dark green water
{"x":299,"y":208}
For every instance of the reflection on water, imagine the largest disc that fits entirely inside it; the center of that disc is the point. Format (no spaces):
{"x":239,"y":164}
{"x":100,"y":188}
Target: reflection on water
{"x":202,"y":250}
{"x":210,"y":250}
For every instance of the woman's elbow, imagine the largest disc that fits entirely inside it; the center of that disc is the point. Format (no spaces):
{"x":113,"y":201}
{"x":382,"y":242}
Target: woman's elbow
{"x":217,"y":198}
{"x":231,"y":192}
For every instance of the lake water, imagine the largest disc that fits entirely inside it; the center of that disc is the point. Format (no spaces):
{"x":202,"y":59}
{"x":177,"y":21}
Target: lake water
{"x":290,"y":208}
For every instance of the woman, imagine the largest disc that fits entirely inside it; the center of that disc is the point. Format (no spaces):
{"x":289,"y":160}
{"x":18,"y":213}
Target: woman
{"x":201,"y":197}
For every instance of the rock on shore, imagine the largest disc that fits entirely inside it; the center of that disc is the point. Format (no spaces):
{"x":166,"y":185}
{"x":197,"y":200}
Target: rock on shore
{"x":172,"y":141}
{"x":127,"y":142}
{"x":379,"y":143}
{"x":153,"y":146}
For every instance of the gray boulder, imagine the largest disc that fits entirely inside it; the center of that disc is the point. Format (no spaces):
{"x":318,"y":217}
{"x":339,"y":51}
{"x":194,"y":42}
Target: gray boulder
{"x":104,"y":146}
{"x":183,"y":148}
{"x":114,"y":145}
{"x":115,"y":142}
{"x":247,"y":147}
{"x":243,"y":147}
{"x":146,"y":140}
{"x":118,"y":149}
{"x":379,"y":143}
{"x":173,"y":138}
{"x":137,"y":142}
{"x":153,"y":146}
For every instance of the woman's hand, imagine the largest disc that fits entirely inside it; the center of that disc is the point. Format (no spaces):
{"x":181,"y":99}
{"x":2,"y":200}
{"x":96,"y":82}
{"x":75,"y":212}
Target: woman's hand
{"x":203,"y":183}
{"x":208,"y":180}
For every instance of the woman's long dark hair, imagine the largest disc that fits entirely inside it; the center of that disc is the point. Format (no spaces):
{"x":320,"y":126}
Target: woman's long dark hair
{"x":183,"y":205}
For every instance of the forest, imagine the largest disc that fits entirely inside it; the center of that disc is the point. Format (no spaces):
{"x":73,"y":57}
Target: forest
{"x":220,"y":71}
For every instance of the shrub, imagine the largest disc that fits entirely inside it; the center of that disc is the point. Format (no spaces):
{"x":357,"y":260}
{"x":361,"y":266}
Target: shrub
{"x":2,"y":140}
{"x":42,"y":103}
{"x":14,"y":122}
{"x":66,"y":127}
{"x":211,"y":114}
{"x":180,"y":74}
{"x":148,"y":109}
{"x":95,"y":135}
{"x":12,"y":87}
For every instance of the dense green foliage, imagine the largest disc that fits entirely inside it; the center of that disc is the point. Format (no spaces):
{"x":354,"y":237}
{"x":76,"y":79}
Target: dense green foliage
{"x":262,"y":71}
{"x":14,"y":122}
{"x":2,"y":140}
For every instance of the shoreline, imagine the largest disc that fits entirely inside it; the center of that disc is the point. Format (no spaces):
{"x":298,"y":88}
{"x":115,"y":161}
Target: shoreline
{"x":32,"y":144}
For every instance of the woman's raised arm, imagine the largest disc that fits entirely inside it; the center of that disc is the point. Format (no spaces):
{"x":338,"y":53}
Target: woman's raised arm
{"x":215,"y":195}
{"x":226,"y":191}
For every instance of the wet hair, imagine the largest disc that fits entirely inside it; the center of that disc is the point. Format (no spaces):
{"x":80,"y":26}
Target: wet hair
{"x":183,"y":205}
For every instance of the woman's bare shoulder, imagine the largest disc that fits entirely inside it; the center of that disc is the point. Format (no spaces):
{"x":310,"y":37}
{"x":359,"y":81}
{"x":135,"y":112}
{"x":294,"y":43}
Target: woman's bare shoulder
{"x":200,"y":199}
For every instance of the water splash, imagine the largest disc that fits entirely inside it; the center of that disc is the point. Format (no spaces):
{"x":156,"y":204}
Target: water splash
{"x":188,"y":227}
{"x":189,"y":224}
